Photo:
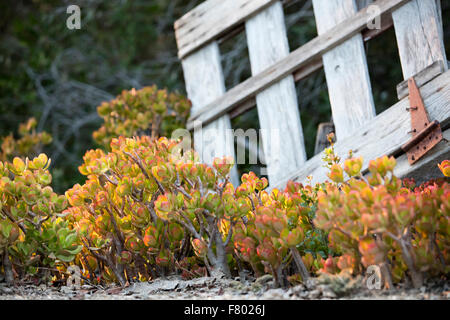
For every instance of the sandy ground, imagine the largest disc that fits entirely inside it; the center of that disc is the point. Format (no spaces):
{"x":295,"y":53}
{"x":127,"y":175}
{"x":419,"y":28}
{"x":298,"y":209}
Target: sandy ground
{"x":225,"y":289}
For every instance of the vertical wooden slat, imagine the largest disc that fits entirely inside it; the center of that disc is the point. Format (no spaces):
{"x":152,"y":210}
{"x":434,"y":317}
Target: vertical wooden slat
{"x":204,"y":83}
{"x":278,"y":113}
{"x":346,"y":70}
{"x":419,"y":36}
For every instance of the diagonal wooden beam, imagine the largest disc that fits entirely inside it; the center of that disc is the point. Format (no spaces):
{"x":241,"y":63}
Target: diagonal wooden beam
{"x":211,"y":19}
{"x":385,"y":134}
{"x":297,"y":59}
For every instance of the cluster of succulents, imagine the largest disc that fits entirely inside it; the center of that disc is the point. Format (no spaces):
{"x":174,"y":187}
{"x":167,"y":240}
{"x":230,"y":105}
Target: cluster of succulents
{"x":148,"y":111}
{"x":29,"y":142}
{"x":35,"y":238}
{"x":385,"y":221}
{"x":115,"y":215}
{"x":148,"y":208}
{"x":278,"y":236}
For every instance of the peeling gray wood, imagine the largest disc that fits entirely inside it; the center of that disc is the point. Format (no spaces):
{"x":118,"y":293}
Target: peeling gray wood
{"x":419,"y":36}
{"x":204,"y":82}
{"x":211,"y":19}
{"x":346,"y":70}
{"x":421,"y":78}
{"x":385,"y":134}
{"x":313,"y":66}
{"x":296,"y":60}
{"x":278,"y":112}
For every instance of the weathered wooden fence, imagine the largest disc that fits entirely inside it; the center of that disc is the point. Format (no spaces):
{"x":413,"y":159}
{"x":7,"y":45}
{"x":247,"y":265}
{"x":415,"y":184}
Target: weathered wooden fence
{"x":343,"y":27}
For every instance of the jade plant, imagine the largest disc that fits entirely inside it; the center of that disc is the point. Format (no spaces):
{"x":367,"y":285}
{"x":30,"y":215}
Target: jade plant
{"x":148,"y":209}
{"x":29,"y":143}
{"x":116,"y":211}
{"x":148,"y":111}
{"x":201,"y":199}
{"x":279,"y":231}
{"x":382,"y":220}
{"x":35,"y":239}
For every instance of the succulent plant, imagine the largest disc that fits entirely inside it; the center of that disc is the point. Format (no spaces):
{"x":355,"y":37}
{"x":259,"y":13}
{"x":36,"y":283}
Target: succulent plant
{"x":383,"y":220}
{"x":29,"y":143}
{"x":148,"y":111}
{"x":34,"y":236}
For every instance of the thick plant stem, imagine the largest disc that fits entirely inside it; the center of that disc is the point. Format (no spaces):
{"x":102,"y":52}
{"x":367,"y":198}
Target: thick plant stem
{"x":118,"y":271}
{"x":438,"y":251}
{"x":386,"y":272}
{"x":121,"y":272}
{"x":217,"y":259}
{"x":277,"y":275}
{"x":221,"y":256}
{"x":91,"y":272}
{"x":416,"y":277}
{"x":9,"y":276}
{"x":299,"y":263}
{"x":280,"y":277}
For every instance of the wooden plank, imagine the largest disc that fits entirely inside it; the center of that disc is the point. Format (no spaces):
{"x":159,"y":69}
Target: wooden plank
{"x":232,"y":32}
{"x":300,"y":74}
{"x":421,"y":78}
{"x":426,"y":168}
{"x":313,"y":66}
{"x":278,"y":112}
{"x":385,"y":134}
{"x":297,"y":59}
{"x":243,"y":108}
{"x":419,"y":36}
{"x":307,"y":70}
{"x":204,"y":82}
{"x":368,"y":34}
{"x":346,"y":70}
{"x":211,"y":19}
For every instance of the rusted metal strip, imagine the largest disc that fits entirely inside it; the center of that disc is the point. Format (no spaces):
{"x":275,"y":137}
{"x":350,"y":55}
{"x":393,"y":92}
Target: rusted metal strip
{"x":425,"y":134}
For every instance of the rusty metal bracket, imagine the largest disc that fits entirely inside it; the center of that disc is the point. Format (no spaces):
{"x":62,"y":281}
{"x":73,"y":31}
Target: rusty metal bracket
{"x":425,"y":134}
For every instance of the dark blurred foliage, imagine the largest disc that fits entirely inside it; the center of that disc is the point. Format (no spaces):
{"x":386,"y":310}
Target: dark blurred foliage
{"x":60,"y":76}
